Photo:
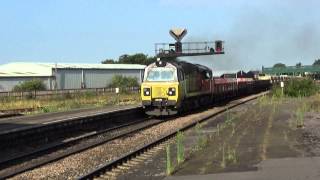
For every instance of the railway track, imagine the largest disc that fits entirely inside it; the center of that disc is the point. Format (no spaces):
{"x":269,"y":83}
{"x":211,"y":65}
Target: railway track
{"x":20,"y":146}
{"x":69,"y":147}
{"x":108,"y":170}
{"x":77,"y":144}
{"x":63,"y":128}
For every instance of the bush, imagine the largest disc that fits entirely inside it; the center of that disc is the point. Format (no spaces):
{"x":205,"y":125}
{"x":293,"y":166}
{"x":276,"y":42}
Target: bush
{"x":33,"y":85}
{"x":297,"y":88}
{"x":124,"y":82}
{"x":276,"y":91}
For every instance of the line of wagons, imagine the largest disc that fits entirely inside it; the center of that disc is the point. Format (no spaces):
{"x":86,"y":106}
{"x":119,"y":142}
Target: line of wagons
{"x":171,"y":87}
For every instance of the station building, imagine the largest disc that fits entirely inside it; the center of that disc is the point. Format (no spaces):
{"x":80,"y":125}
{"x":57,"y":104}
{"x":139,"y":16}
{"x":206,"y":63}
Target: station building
{"x":66,"y":76}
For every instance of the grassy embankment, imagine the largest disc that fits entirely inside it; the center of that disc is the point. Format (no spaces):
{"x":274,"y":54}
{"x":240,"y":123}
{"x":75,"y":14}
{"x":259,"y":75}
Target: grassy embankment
{"x":70,"y":101}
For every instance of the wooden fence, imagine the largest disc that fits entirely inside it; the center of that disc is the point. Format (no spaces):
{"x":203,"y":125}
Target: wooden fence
{"x":53,"y":93}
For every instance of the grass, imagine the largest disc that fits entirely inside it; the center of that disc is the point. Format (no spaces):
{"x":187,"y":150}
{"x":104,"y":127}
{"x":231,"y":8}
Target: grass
{"x":201,"y":140}
{"x":233,"y":129}
{"x":229,"y":118}
{"x":231,"y":156}
{"x":223,"y":161}
{"x":180,"y":148}
{"x":300,"y":113}
{"x":263,"y":100}
{"x":299,"y":118}
{"x":180,"y":154}
{"x":296,"y":88}
{"x":169,"y":167}
{"x":315,"y":103}
{"x":69,"y":102}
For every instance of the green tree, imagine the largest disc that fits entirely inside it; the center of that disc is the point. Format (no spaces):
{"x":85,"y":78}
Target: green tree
{"x":299,"y":64}
{"x":124,"y":81}
{"x":316,"y":62}
{"x":108,"y":61}
{"x":138,"y":58}
{"x":279,"y":65}
{"x":32,"y":85}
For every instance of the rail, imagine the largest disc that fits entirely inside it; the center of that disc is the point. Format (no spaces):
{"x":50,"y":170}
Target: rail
{"x":62,"y":134}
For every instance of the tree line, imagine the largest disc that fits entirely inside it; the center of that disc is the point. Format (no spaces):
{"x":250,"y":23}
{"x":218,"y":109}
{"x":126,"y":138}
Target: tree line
{"x":138,"y":58}
{"x":299,"y":64}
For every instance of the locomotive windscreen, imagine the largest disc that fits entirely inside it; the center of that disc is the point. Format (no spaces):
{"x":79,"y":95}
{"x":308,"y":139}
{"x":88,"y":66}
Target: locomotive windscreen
{"x":161,"y":74}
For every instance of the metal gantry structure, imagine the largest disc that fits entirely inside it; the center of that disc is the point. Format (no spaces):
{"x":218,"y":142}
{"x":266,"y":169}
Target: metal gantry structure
{"x":179,"y":49}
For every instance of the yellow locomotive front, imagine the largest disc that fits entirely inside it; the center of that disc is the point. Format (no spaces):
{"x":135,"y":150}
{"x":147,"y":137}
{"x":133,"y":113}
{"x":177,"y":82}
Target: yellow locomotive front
{"x":160,"y":89}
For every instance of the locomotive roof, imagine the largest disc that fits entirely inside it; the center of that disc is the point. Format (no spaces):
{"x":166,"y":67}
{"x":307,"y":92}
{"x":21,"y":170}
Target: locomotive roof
{"x":189,"y":67}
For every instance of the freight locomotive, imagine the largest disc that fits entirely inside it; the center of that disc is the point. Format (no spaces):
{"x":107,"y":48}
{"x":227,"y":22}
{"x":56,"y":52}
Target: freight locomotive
{"x":171,"y":87}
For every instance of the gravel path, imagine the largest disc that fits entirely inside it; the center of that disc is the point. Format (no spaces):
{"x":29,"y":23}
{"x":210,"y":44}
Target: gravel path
{"x":311,"y":133}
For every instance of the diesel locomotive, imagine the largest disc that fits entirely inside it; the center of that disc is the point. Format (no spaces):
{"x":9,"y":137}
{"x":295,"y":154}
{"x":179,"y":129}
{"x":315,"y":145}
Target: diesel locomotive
{"x":171,"y":87}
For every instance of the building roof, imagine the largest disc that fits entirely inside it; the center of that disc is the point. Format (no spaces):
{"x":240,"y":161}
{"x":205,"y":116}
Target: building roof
{"x":21,"y":69}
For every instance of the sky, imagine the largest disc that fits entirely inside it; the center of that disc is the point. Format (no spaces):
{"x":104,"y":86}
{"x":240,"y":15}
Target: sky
{"x":256,"y":33}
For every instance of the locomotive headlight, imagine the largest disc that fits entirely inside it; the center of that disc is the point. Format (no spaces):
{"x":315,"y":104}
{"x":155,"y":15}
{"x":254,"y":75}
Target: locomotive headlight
{"x":172,"y":91}
{"x":146,"y":91}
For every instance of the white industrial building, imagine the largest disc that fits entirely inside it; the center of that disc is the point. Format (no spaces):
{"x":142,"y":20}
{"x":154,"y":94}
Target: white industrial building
{"x":66,"y":76}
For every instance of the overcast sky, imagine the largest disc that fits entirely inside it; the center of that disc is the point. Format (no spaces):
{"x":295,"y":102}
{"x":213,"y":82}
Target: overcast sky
{"x":256,"y":33}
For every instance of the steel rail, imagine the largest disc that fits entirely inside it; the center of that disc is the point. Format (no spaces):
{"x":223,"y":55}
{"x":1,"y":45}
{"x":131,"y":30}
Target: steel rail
{"x":51,"y":131}
{"x":81,"y":149}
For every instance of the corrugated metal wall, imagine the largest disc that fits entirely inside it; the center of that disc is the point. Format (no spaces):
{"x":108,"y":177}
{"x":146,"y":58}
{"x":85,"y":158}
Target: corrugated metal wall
{"x":72,"y":78}
{"x":69,"y":78}
{"x":8,"y":83}
{"x":92,"y":78}
{"x":102,"y":78}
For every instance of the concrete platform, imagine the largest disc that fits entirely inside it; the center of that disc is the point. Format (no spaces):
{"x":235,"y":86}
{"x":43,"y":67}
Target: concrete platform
{"x":305,"y":168}
{"x":22,"y":122}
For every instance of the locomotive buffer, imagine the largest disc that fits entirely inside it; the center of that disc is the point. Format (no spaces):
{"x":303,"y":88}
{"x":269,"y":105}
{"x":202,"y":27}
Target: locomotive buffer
{"x":178,"y":49}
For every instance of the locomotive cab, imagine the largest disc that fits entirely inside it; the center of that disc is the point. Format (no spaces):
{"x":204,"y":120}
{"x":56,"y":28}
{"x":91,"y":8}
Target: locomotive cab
{"x":160,"y":89}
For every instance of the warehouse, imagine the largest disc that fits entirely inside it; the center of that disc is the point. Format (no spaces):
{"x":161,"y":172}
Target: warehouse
{"x":66,"y":76}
